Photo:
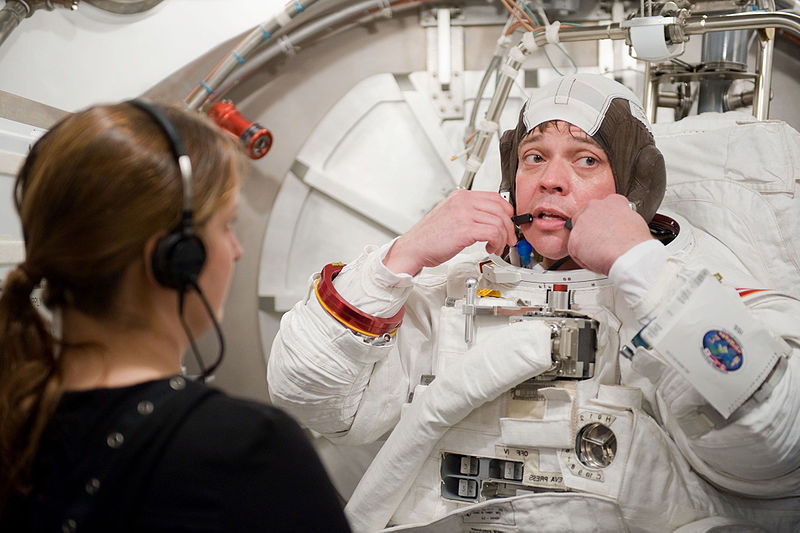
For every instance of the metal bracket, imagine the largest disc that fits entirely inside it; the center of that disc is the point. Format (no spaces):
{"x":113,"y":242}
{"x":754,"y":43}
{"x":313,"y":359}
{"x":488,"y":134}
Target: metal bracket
{"x":446,"y":66}
{"x":469,"y":310}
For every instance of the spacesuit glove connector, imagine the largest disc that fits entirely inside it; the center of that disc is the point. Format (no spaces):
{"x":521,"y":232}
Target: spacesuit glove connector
{"x":360,"y":323}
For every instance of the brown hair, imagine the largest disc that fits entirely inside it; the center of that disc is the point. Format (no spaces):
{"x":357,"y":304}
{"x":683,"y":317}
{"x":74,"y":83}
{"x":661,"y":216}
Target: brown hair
{"x":90,"y":194}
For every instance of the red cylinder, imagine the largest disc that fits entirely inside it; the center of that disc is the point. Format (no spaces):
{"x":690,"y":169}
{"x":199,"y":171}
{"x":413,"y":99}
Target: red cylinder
{"x":256,"y":139}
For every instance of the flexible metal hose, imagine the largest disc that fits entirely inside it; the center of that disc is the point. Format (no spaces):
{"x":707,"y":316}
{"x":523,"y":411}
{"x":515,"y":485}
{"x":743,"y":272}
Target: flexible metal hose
{"x":10,"y":17}
{"x":261,"y":33}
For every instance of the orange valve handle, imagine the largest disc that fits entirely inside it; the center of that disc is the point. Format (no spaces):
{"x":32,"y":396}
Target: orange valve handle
{"x":256,"y":139}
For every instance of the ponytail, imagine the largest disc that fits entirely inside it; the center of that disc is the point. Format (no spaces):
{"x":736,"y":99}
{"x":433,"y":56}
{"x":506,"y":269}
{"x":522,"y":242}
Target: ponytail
{"x":29,"y":388}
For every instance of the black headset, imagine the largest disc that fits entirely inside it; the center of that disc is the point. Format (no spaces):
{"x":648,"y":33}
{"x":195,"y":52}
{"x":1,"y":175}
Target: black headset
{"x":179,"y":256}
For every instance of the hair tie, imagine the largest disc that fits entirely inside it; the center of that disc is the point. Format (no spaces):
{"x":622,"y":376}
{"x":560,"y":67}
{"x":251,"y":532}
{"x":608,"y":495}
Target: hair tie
{"x":18,"y":288}
{"x":33,"y":276}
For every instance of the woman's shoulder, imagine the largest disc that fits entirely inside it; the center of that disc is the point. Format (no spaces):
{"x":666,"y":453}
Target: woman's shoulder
{"x":229,"y":455}
{"x":222,"y":436}
{"x":226,"y":414}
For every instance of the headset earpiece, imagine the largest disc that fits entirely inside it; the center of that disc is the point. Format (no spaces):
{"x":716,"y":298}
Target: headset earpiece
{"x":178,"y":259}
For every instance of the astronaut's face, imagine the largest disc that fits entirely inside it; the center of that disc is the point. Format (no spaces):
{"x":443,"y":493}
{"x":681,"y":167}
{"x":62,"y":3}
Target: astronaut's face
{"x":560,"y":169}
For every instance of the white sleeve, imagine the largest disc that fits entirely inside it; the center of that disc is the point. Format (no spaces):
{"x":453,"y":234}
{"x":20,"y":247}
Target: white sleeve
{"x":635,"y":271}
{"x":371,"y":287}
{"x":319,"y":370}
{"x":760,"y":444}
{"x":756,"y":451}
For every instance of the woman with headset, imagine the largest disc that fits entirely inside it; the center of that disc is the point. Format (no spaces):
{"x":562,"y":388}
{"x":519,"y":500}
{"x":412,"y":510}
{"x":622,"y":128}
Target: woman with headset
{"x":127,"y":215}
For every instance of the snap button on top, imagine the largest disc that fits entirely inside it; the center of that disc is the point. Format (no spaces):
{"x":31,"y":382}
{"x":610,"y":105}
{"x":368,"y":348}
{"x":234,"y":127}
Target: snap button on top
{"x":145,"y":407}
{"x":92,"y":486}
{"x":115,"y":439}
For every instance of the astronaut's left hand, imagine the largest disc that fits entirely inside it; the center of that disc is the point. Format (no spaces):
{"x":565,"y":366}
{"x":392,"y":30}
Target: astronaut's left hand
{"x":603,"y":231}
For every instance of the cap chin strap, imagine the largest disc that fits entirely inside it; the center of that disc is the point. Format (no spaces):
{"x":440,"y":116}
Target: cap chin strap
{"x":558,"y":263}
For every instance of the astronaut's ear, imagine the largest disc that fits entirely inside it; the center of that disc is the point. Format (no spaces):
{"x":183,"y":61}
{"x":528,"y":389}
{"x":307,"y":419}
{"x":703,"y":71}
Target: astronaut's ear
{"x":649,"y":181}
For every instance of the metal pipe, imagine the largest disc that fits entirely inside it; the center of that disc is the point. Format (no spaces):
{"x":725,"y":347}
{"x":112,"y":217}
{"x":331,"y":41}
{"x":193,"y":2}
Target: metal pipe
{"x":239,"y":54}
{"x":725,"y":49}
{"x":669,"y":99}
{"x":516,"y":56}
{"x":650,"y":97}
{"x":763,"y":89}
{"x":696,"y":25}
{"x":306,"y":32}
{"x":15,"y":10}
{"x":737,"y":100}
{"x":751,"y":20}
{"x":10,"y":17}
{"x":585,"y":33}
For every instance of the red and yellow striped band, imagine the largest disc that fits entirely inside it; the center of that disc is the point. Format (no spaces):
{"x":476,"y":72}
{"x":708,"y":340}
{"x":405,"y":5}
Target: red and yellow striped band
{"x":350,"y":316}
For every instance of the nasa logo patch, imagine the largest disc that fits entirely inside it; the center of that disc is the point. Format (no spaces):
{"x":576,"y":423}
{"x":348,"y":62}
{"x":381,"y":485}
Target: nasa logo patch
{"x":722,"y":350}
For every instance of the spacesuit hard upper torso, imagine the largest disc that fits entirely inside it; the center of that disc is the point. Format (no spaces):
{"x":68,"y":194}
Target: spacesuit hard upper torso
{"x":493,"y":435}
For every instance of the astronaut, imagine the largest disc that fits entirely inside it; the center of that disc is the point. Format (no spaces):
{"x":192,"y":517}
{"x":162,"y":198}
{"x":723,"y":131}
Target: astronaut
{"x":633,"y":375}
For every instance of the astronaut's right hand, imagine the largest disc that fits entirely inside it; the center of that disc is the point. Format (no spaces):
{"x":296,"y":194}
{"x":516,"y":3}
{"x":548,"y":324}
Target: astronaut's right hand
{"x":460,"y":220}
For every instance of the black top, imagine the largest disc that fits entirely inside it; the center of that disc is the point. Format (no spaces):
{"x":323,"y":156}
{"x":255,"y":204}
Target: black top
{"x":175,"y":456}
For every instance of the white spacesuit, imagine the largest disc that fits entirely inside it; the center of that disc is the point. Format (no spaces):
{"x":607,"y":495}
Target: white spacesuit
{"x":660,"y":397}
